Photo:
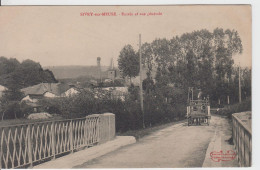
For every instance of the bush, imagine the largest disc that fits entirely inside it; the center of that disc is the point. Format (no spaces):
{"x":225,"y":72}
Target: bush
{"x":25,"y":109}
{"x":128,"y":113}
{"x":236,"y":108}
{"x":12,"y":111}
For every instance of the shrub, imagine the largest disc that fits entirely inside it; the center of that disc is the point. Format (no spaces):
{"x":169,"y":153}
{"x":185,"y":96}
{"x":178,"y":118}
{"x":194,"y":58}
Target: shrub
{"x":12,"y":111}
{"x":128,"y":113}
{"x":236,"y":108}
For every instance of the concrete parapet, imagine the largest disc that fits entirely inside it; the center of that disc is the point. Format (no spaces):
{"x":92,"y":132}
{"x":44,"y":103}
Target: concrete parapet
{"x":107,"y":129}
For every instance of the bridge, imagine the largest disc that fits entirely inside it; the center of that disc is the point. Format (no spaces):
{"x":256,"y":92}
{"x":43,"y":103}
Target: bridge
{"x":91,"y":143}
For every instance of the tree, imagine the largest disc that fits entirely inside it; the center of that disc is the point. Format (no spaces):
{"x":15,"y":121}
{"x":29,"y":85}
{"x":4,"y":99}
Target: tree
{"x":148,"y":59}
{"x":27,"y":73}
{"x":226,"y":44}
{"x":9,"y":103}
{"x":128,"y":62}
{"x":202,"y":59}
{"x":191,"y":75}
{"x":8,"y":65}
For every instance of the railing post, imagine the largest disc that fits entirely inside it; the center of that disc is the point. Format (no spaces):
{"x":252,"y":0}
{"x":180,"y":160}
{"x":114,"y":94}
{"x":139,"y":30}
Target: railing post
{"x":71,"y":137}
{"x":29,"y":147}
{"x":85,"y":132}
{"x":98,"y":128}
{"x":53,"y":137}
{"x":101,"y":122}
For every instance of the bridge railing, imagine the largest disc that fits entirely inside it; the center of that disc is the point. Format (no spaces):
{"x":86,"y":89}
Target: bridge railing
{"x":25,"y":144}
{"x":242,"y":138}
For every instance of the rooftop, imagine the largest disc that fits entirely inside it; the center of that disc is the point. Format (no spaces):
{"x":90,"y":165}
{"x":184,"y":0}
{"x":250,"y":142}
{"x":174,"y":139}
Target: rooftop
{"x":40,"y":89}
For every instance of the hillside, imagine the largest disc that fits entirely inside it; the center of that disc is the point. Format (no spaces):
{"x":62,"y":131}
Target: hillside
{"x":62,"y":72}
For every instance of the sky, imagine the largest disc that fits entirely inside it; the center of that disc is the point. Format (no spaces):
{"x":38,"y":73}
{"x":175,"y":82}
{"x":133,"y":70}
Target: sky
{"x":59,"y":35}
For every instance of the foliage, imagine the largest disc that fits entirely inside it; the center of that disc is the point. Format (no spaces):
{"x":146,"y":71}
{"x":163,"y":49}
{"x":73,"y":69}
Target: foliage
{"x":128,"y":62}
{"x":116,"y":83}
{"x":9,"y":103}
{"x":128,"y":113}
{"x":24,"y":74}
{"x":200,"y":59}
{"x":15,"y":75}
{"x":236,"y":108}
{"x":11,"y":110}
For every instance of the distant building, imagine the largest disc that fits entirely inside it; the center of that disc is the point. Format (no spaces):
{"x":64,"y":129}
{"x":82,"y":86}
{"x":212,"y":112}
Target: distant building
{"x":70,"y":92}
{"x":2,"y":89}
{"x":113,"y":73}
{"x":48,"y":90}
{"x":99,"y":69}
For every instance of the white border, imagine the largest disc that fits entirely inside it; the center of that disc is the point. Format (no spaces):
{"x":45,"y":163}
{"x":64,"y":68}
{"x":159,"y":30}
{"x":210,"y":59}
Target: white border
{"x":255,"y":49}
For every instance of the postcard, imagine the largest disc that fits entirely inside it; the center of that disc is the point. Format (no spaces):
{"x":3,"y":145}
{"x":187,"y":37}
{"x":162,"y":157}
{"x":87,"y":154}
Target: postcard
{"x":140,"y":86}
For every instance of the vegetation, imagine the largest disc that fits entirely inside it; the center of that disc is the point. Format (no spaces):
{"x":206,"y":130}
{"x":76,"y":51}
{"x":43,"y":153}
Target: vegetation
{"x":235,"y":108}
{"x":128,"y":113}
{"x":14,"y":74}
{"x":201,"y":59}
{"x":128,"y":62}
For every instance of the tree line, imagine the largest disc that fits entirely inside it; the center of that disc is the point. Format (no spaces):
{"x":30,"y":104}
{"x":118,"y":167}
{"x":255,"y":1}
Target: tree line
{"x":23,"y":74}
{"x":200,"y":59}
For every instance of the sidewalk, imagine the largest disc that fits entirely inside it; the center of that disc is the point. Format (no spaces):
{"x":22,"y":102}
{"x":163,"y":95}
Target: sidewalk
{"x":80,"y":157}
{"x":220,"y":142}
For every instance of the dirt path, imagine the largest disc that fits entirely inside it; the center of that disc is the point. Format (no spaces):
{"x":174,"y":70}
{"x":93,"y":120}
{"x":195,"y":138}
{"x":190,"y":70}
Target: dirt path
{"x":176,"y":146}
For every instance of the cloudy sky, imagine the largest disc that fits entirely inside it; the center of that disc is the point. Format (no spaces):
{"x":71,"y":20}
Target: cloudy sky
{"x":58,"y":35}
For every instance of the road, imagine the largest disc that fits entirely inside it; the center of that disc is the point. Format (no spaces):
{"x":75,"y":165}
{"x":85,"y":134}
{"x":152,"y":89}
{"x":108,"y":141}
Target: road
{"x":175,"y":146}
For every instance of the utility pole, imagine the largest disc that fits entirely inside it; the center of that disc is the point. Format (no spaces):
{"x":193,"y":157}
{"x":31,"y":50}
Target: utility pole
{"x":191,"y":93}
{"x":239,"y":84}
{"x":141,"y":79}
{"x":188,"y":94}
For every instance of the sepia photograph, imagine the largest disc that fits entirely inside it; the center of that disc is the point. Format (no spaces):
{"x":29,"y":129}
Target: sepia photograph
{"x":141,"y":86}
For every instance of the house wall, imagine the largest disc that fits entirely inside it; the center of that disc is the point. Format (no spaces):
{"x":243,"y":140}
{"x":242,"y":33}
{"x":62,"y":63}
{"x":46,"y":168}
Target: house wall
{"x":28,"y":98}
{"x":70,"y":92}
{"x":48,"y":94}
{"x":2,"y":88}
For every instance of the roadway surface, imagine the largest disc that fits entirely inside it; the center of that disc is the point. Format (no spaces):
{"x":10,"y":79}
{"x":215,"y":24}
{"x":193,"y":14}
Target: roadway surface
{"x":175,"y":146}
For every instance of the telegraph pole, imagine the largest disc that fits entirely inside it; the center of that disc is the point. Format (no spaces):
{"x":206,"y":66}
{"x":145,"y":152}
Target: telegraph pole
{"x":141,"y":79}
{"x":239,"y":84}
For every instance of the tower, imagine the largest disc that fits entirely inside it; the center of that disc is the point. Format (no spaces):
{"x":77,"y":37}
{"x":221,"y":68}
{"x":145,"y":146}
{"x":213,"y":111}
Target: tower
{"x":111,"y":64}
{"x":99,"y":69}
{"x":111,"y":72}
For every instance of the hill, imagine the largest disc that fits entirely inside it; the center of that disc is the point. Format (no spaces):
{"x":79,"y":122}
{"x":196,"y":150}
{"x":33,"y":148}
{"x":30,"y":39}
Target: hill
{"x":63,"y":72}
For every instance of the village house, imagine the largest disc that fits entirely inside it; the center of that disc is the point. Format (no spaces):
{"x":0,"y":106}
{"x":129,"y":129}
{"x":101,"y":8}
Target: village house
{"x":48,"y":90}
{"x":2,"y":89}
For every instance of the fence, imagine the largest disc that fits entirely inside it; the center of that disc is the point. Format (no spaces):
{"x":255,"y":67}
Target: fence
{"x":242,"y":138}
{"x":26,"y":144}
